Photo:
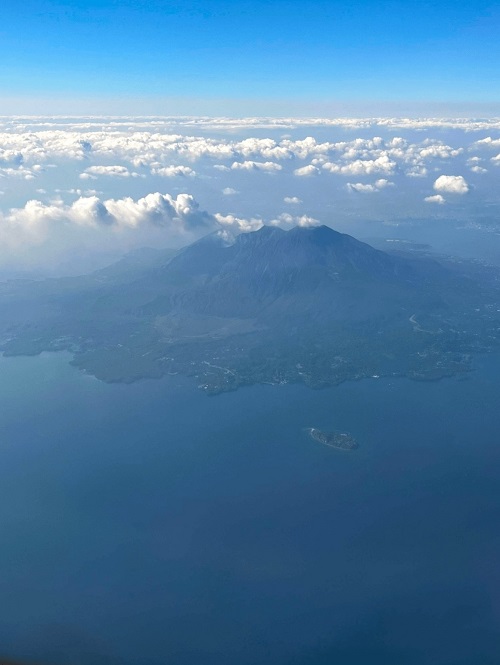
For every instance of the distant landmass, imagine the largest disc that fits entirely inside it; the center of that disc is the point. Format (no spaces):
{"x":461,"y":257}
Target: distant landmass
{"x":307,"y":305}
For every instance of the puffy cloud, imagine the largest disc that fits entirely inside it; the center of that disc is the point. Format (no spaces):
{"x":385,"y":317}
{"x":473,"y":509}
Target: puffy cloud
{"x":21,"y":172}
{"x":232,"y":225}
{"x":474,"y":164}
{"x":437,"y":198}
{"x":286,"y":221}
{"x":112,"y":171}
{"x":292,"y":200}
{"x":229,"y":191}
{"x":307,"y":171}
{"x":439,"y":151}
{"x":487,"y":142}
{"x":382,"y":164}
{"x":174,"y":171}
{"x":152,"y":143}
{"x":382,"y":183}
{"x":90,"y":232}
{"x":417,"y":172}
{"x":248,"y":165}
{"x":451,"y":184}
{"x":179,"y":215}
{"x":10,"y":157}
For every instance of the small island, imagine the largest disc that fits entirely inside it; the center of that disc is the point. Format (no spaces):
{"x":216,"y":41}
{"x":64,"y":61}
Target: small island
{"x":341,"y":440}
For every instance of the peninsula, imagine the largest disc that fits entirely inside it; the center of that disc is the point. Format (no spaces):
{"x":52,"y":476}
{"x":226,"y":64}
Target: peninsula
{"x":308,"y":305}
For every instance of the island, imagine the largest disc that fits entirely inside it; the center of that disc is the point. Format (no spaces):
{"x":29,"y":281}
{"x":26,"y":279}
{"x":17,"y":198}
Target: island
{"x":309,"y":305}
{"x":340,"y":440}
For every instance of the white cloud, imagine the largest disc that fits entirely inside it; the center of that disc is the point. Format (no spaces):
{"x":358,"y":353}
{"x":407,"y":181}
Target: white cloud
{"x":487,"y":142}
{"x":307,"y":171}
{"x":174,"y":171}
{"x":229,"y":191}
{"x":417,"y":172}
{"x":286,"y":221}
{"x":92,"y":172}
{"x":292,"y":200}
{"x":439,"y":151}
{"x":231,"y":224}
{"x":437,"y":198}
{"x":180,"y":215}
{"x":382,"y":164}
{"x":451,"y":184}
{"x":10,"y":157}
{"x":248,"y":165}
{"x":41,"y":235}
{"x":359,"y":187}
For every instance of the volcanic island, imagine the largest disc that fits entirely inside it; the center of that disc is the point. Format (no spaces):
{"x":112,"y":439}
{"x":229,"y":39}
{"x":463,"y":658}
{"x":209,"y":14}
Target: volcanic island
{"x":341,"y":440}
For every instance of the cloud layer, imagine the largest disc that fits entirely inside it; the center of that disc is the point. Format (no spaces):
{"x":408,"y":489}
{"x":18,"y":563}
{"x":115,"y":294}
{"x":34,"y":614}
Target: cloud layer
{"x":98,"y":181}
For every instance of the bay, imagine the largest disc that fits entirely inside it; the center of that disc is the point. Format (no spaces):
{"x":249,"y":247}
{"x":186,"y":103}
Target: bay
{"x":149,"y":523}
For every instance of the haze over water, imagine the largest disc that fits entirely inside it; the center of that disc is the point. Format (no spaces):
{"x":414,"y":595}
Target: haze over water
{"x":148,"y":522}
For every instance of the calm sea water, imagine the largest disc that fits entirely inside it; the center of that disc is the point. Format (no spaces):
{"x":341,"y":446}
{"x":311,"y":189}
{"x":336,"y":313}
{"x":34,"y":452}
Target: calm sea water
{"x":149,"y":524}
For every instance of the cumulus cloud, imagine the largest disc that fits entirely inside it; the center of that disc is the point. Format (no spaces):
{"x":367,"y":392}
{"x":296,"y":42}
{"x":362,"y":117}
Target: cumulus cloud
{"x":378,"y":185}
{"x":36,"y":219}
{"x":111,"y":171}
{"x":382,"y":164}
{"x":232,"y":224}
{"x":56,"y":227}
{"x":174,"y":171}
{"x":229,"y":191}
{"x":416,"y":172}
{"x":92,"y":231}
{"x":307,"y":171}
{"x":437,"y":198}
{"x":155,"y":143}
{"x":487,"y":142}
{"x":248,"y":165}
{"x":286,"y":221}
{"x":451,"y":184}
{"x":292,"y":200}
{"x":10,"y":157}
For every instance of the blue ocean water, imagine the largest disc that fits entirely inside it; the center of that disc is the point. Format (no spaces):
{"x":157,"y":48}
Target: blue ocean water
{"x":148,"y":524}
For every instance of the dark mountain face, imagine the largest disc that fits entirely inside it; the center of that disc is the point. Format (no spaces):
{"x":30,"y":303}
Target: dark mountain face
{"x":271,"y":253}
{"x":272,"y":272}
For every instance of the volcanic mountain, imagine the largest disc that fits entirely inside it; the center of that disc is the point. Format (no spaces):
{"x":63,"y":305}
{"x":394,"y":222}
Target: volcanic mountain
{"x":311,"y":273}
{"x":309,"y":304}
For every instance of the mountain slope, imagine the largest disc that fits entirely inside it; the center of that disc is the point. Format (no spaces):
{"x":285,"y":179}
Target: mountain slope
{"x":271,"y":274}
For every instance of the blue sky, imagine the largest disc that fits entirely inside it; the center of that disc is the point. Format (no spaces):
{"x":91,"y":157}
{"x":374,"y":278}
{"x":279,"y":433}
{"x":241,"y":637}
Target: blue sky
{"x":261,"y":52}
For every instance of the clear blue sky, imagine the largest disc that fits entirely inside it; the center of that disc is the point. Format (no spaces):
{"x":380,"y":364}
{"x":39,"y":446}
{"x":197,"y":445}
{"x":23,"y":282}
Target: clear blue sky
{"x":263,"y":50}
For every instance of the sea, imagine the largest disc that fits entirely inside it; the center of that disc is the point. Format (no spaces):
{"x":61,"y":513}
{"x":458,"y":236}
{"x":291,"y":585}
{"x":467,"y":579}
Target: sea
{"x":150,"y":524}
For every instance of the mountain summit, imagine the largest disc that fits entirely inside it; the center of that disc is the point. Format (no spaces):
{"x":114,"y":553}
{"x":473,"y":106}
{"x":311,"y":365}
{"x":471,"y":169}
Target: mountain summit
{"x":312,"y":270}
